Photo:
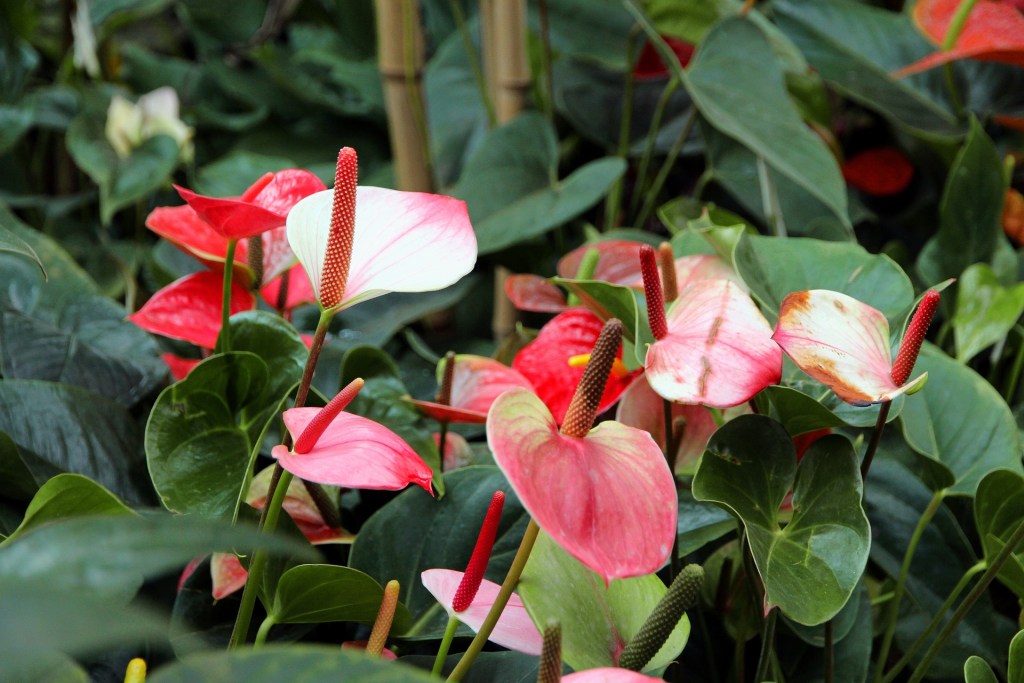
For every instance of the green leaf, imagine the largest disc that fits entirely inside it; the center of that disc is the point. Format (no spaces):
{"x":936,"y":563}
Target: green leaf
{"x":960,"y":422}
{"x":507,"y":666}
{"x":773,"y":268}
{"x":998,"y":511}
{"x":122,"y":180}
{"x":736,"y":82}
{"x":970,"y":212}
{"x":1015,"y":669}
{"x":800,"y":413}
{"x":976,"y":670}
{"x":616,"y":301}
{"x":62,"y":428}
{"x":689,"y":21}
{"x":196,"y":446}
{"x":64,"y":496}
{"x":856,"y":47}
{"x":233,"y":173}
{"x":985,"y":311}
{"x":382,"y":400}
{"x":511,"y":187}
{"x":700,"y":524}
{"x":291,"y":662}
{"x":12,"y":244}
{"x":111,"y":555}
{"x":321,"y":593}
{"x":596,"y":620}
{"x":811,"y":566}
{"x":415,"y":532}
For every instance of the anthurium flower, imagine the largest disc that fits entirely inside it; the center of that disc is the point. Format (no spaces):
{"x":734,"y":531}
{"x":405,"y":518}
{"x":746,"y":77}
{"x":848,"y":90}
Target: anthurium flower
{"x":994,"y":31}
{"x":844,"y":344}
{"x":618,"y":262}
{"x":529,"y":292}
{"x":299,"y":290}
{"x":714,"y":348}
{"x":300,"y":507}
{"x":547,"y":362}
{"x":607,"y":675}
{"x":605,"y":495}
{"x":476,"y":382}
{"x":156,"y":113}
{"x":879,"y":171}
{"x":649,"y":65}
{"x":514,"y":630}
{"x":227,"y":573}
{"x":190,"y":309}
{"x":357,"y":243}
{"x":341,"y":449}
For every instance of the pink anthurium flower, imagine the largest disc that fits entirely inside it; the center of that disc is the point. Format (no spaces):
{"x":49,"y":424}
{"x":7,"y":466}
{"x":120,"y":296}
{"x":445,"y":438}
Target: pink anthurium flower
{"x":617,"y":264}
{"x":714,"y":348}
{"x":607,"y":675}
{"x":476,"y":382}
{"x":383,"y":240}
{"x":227,"y":573}
{"x":190,"y":309}
{"x":514,"y":630}
{"x":844,"y":344}
{"x":361,"y":645}
{"x":549,"y":362}
{"x":615,"y":508}
{"x":341,"y":449}
{"x":529,"y":292}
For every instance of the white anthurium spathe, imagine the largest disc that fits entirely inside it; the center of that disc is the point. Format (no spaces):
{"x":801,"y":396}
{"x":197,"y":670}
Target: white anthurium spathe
{"x":403,"y":242}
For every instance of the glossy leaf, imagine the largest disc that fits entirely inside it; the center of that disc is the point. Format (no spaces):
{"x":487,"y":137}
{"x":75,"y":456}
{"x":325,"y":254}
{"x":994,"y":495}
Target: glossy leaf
{"x":321,"y":593}
{"x":415,"y":532}
{"x":775,"y":267}
{"x":597,"y":619}
{"x":998,"y":511}
{"x":976,"y":670}
{"x":65,"y":496}
{"x":961,"y":422}
{"x":972,"y":200}
{"x":85,"y":434}
{"x":701,"y":523}
{"x":810,"y":566}
{"x":12,"y":244}
{"x":985,"y":311}
{"x":800,"y":413}
{"x":295,"y":662}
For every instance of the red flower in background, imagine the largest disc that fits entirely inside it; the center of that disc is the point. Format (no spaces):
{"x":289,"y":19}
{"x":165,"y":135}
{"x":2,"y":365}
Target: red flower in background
{"x":879,"y":171}
{"x":649,"y":65}
{"x":994,"y":32}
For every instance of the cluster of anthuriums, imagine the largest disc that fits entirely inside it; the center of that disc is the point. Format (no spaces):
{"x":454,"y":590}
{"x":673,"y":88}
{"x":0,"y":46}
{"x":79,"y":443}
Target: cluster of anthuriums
{"x":621,"y":341}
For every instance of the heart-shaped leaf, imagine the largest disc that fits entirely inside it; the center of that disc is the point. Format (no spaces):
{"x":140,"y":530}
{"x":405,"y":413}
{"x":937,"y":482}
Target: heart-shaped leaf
{"x":597,"y":620}
{"x":998,"y":511}
{"x":321,"y":593}
{"x":985,"y":311}
{"x":811,"y":566}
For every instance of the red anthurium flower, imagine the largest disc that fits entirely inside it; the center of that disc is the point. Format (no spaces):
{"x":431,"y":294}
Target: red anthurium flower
{"x":179,"y":367}
{"x":369,"y":241}
{"x":615,"y":508}
{"x":514,"y":630}
{"x":299,"y":290}
{"x":190,"y":309}
{"x":607,"y":675}
{"x":879,"y":171}
{"x":994,"y":31}
{"x":545,"y":362}
{"x":844,"y":344}
{"x":476,"y":382}
{"x":529,"y":292}
{"x":300,"y":507}
{"x":341,"y":449}
{"x":714,"y":347}
{"x":619,"y":261}
{"x":641,"y":408}
{"x":690,"y":270}
{"x":649,"y":64}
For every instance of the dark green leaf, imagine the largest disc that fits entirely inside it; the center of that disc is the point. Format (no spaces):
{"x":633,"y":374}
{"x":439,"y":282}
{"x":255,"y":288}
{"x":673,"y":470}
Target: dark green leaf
{"x":800,"y":413}
{"x":985,"y":311}
{"x":998,"y":511}
{"x":415,"y":532}
{"x":700,"y":524}
{"x":11,"y":243}
{"x":596,"y":619}
{"x":689,"y":21}
{"x":811,"y":566}
{"x":961,"y":422}
{"x":976,"y":670}
{"x":64,"y":496}
{"x":320,"y":593}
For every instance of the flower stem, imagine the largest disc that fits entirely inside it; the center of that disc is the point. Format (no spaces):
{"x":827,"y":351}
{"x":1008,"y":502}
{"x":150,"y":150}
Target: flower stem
{"x":651,"y":196}
{"x":474,"y":60}
{"x":936,"y":621}
{"x":876,"y":436}
{"x":264,"y":631}
{"x":276,"y":492}
{"x":652,"y":138}
{"x":670,"y":457}
{"x":767,"y":639}
{"x":224,"y":340}
{"x":901,"y":581}
{"x":446,"y":643}
{"x":509,"y":585}
{"x":613,"y":202}
{"x":979,"y":589}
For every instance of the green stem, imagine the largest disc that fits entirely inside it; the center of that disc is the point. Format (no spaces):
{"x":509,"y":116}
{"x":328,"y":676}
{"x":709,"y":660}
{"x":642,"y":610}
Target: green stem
{"x":659,"y":180}
{"x":936,"y":621}
{"x":767,"y":639}
{"x":876,"y":436}
{"x":652,"y":137}
{"x":446,"y":643}
{"x":1018,"y":363}
{"x":613,"y":202}
{"x":263,"y":632}
{"x":901,"y":581}
{"x":509,"y":585}
{"x":442,"y":439}
{"x":224,"y":340}
{"x":979,"y":589}
{"x":548,"y":101}
{"x":957,"y":23}
{"x":474,"y":61}
{"x":770,"y":200}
